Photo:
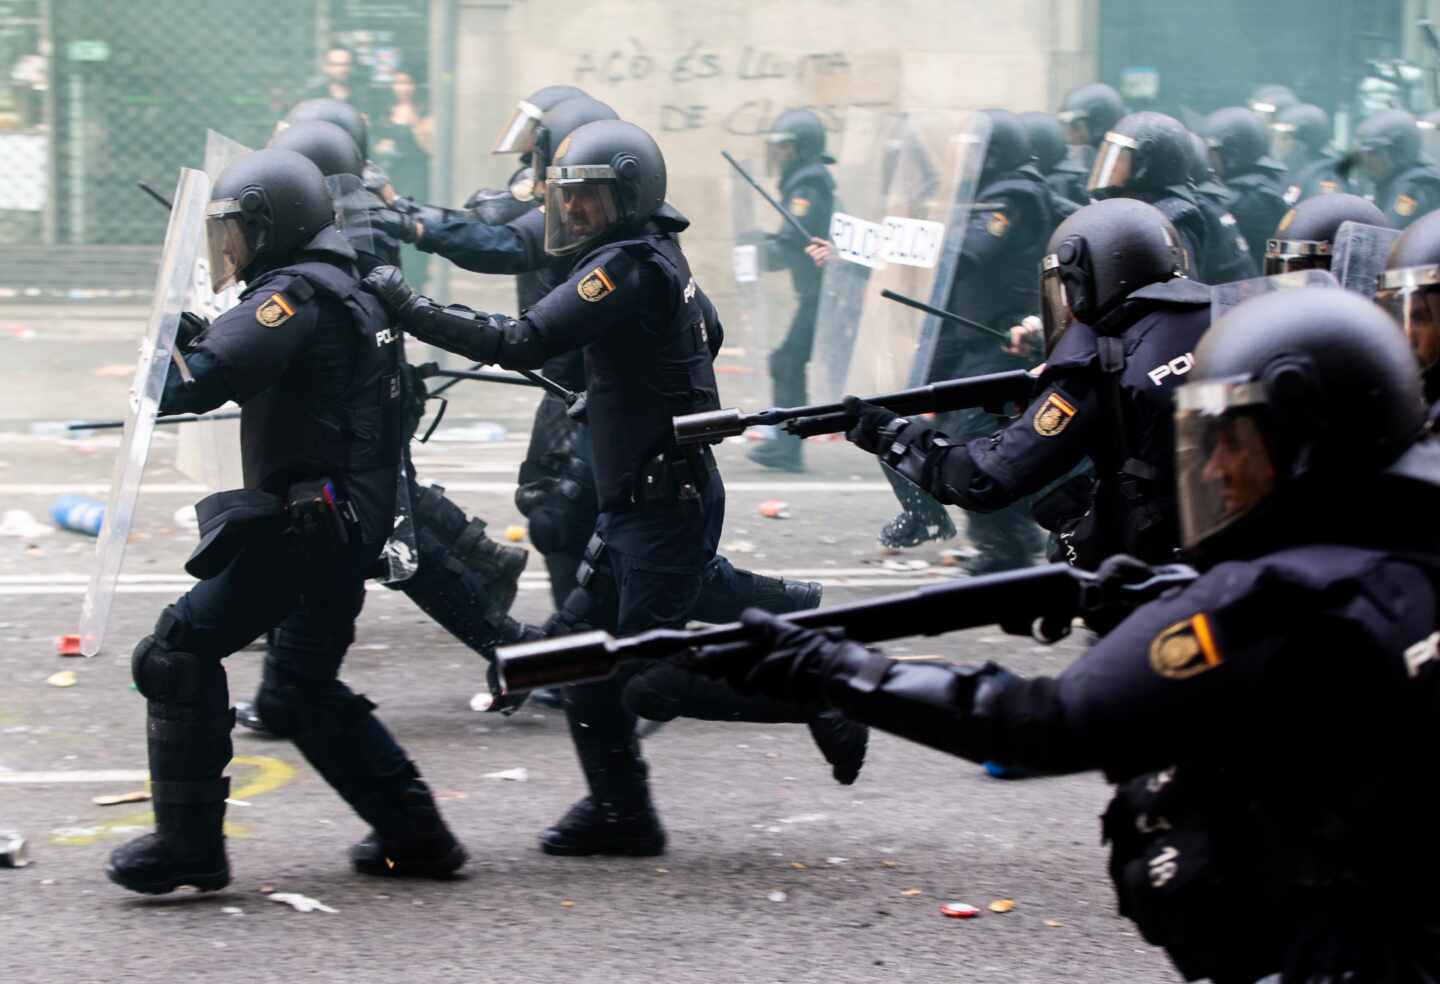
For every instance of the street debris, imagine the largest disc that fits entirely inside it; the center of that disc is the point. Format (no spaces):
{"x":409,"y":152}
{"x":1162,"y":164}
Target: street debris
{"x":959,"y":910}
{"x":1002,"y":905}
{"x":567,"y":904}
{"x":232,"y":910}
{"x":298,"y":902}
{"x":910,"y":893}
{"x":520,"y":774}
{"x":68,"y":645}
{"x":515,"y":533}
{"x":774,"y":509}
{"x":13,"y":853}
{"x":65,"y":678}
{"x":482,"y":701}
{"x":777,"y":896}
{"x":1053,"y":923}
{"x":115,"y":799}
{"x":78,"y":514}
{"x":22,"y":525}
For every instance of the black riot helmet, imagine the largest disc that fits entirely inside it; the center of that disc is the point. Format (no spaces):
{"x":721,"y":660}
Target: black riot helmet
{"x":1238,"y":142}
{"x":1090,"y":111}
{"x":1100,"y":256}
{"x":1271,"y":99}
{"x":1299,"y":133}
{"x":605,"y":179}
{"x":1387,"y":142}
{"x":517,"y":136}
{"x":796,"y":137}
{"x":1305,"y":237}
{"x":1142,"y":152}
{"x":1295,"y":395}
{"x":325,"y":144}
{"x":1008,"y":147}
{"x":264,"y":209}
{"x":1410,"y":287}
{"x":1202,"y":175}
{"x":559,"y":121}
{"x":1047,"y":139}
{"x":342,"y":114}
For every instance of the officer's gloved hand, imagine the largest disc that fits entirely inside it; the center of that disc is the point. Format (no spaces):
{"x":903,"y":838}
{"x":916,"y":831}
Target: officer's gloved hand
{"x":795,"y":663}
{"x":192,"y":326}
{"x":1111,"y":579}
{"x":395,"y":224}
{"x":388,"y":284}
{"x":874,"y":428}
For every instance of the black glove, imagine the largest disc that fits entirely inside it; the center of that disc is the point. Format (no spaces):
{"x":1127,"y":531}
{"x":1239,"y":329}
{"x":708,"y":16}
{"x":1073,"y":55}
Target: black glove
{"x":393,"y":223}
{"x":795,"y":663}
{"x":874,"y":428}
{"x":1114,"y":574}
{"x":388,"y":284}
{"x":192,"y":326}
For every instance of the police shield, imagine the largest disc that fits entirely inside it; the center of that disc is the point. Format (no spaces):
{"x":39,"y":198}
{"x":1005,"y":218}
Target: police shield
{"x":184,"y":239}
{"x":1223,"y":297}
{"x":1359,"y":254}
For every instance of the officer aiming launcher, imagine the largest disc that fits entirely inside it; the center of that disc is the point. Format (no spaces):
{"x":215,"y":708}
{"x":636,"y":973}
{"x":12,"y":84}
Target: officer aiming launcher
{"x":992,"y":392}
{"x":1042,"y":600}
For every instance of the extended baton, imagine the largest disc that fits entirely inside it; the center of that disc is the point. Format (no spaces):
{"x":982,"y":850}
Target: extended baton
{"x":941,"y":313}
{"x":784,"y":212}
{"x":179,"y":418}
{"x":154,"y":194}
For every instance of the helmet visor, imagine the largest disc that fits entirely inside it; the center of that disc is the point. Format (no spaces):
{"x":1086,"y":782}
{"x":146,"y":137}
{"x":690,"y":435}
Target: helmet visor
{"x":518,"y":136}
{"x":1412,"y":296}
{"x":1283,"y":142}
{"x":1290,"y":255}
{"x":1223,"y":465}
{"x":580,"y":207}
{"x":1114,"y":164}
{"x":779,"y":151}
{"x":1056,"y":315}
{"x":228,"y":247}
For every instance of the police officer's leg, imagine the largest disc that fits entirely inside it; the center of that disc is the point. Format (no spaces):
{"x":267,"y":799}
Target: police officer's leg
{"x":301,"y":698}
{"x":788,"y":363}
{"x":177,"y":669}
{"x":1010,"y":537}
{"x":727,"y":591}
{"x":466,"y":581}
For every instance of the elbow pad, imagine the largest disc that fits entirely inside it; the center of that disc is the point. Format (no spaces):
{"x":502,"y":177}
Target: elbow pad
{"x":455,"y":329}
{"x":521,"y":346}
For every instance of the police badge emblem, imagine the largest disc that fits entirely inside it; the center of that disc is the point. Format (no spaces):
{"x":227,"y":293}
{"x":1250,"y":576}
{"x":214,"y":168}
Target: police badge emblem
{"x":594,"y":286}
{"x":1053,"y":416}
{"x":274,"y":312}
{"x":1405,"y":205}
{"x":1184,"y":649}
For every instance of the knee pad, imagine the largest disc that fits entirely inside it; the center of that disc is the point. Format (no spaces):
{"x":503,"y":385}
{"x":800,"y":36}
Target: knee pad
{"x":164,"y":669}
{"x":291,"y":707}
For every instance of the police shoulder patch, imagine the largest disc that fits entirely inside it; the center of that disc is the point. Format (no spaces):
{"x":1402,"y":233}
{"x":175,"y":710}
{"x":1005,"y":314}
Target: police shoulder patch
{"x":1290,"y":215}
{"x":275,"y":311}
{"x":595,"y":285}
{"x":1184,"y":649}
{"x":998,"y":225}
{"x":1053,"y":416}
{"x":1329,"y":187}
{"x":799,"y":207}
{"x":1405,"y":205}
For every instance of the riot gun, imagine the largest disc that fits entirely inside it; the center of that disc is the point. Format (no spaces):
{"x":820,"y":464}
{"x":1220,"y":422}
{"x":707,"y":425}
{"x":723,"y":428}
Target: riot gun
{"x":784,"y":212}
{"x":992,"y":392}
{"x":1039,"y":600}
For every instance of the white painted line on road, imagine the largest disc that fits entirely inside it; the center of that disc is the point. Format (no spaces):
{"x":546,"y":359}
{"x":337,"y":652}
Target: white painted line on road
{"x":502,"y":488}
{"x":76,"y":775}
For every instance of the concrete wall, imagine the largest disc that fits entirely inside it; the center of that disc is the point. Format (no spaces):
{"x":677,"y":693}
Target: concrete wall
{"x":703,"y":76}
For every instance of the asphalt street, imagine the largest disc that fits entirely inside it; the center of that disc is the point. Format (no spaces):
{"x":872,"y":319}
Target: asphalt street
{"x":774,"y":872}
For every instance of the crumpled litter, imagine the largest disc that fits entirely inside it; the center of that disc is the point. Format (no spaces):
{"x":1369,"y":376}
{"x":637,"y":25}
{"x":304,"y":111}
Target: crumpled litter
{"x":1002,"y":905}
{"x":21,"y":524}
{"x":115,"y":799}
{"x":774,"y":509}
{"x":65,"y":678}
{"x":300,"y":903}
{"x":520,"y":774}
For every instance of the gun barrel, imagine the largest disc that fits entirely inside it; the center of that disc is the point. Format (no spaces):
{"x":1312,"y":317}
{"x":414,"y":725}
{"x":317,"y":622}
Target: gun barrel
{"x":551,"y":662}
{"x":712,"y":425}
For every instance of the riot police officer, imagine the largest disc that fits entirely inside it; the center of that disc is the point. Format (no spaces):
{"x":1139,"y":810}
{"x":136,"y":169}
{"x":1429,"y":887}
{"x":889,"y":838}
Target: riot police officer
{"x":994,"y":285}
{"x":1300,"y":139}
{"x":1410,"y":290}
{"x":1227,"y":253}
{"x":1065,"y":176}
{"x":1388,"y":149}
{"x":315,"y":365}
{"x":647,"y":330}
{"x":1305,"y":238}
{"x":1216,"y":707}
{"x":1088,"y":113}
{"x":1121,"y":323}
{"x":1268,"y":101}
{"x":795,"y":153}
{"x":1238,"y":150}
{"x":1147,"y":157}
{"x":353,"y":122}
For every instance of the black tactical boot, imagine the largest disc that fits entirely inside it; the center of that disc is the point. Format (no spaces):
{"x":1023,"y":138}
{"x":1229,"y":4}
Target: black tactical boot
{"x":842,"y":742}
{"x":247,"y":717}
{"x":187,"y":847}
{"x":588,"y":828}
{"x":417,"y":843}
{"x":784,"y":452}
{"x":912,"y":529}
{"x":778,"y":595}
{"x":617,"y":818}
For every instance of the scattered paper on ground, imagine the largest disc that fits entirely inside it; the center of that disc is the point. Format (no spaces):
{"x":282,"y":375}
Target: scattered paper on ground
{"x":65,"y":678}
{"x":298,"y":902}
{"x":137,"y":796}
{"x":514,"y":775}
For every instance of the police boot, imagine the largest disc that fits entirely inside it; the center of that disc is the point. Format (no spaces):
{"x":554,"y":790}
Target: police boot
{"x":924,"y":518}
{"x":416,"y":843}
{"x":843,"y":743}
{"x":1006,"y":540}
{"x":778,"y":595}
{"x":188,"y":738}
{"x":783,"y":452}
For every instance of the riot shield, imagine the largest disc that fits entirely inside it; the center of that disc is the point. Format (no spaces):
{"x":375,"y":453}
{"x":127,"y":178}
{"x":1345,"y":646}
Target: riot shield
{"x":765,"y":301}
{"x":184,"y":239}
{"x":1224,"y":297}
{"x":1359,"y":254}
{"x":209,"y":452}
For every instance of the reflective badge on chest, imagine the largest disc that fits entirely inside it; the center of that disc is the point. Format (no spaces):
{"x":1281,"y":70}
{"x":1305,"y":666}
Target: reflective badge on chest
{"x":274,"y":312}
{"x":1184,"y":649}
{"x":1053,"y":416}
{"x":595,"y":285}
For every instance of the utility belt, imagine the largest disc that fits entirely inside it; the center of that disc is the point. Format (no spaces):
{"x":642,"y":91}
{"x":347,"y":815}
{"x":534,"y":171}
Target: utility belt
{"x":674,"y":476}
{"x":312,"y":511}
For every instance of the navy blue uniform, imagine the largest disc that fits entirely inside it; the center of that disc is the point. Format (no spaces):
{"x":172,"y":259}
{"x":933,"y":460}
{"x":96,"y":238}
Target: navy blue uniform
{"x":1320,"y":176}
{"x":1257,"y":200}
{"x":1409,"y":194}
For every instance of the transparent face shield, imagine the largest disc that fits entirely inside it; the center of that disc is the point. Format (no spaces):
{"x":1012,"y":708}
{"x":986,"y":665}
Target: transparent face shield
{"x":1223,"y":465}
{"x":1114,"y":164}
{"x":779,"y":151}
{"x":518,"y":136}
{"x":1290,"y":255}
{"x":1412,"y":296}
{"x":1056,"y":315}
{"x":228,"y":247}
{"x":580,"y":206}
